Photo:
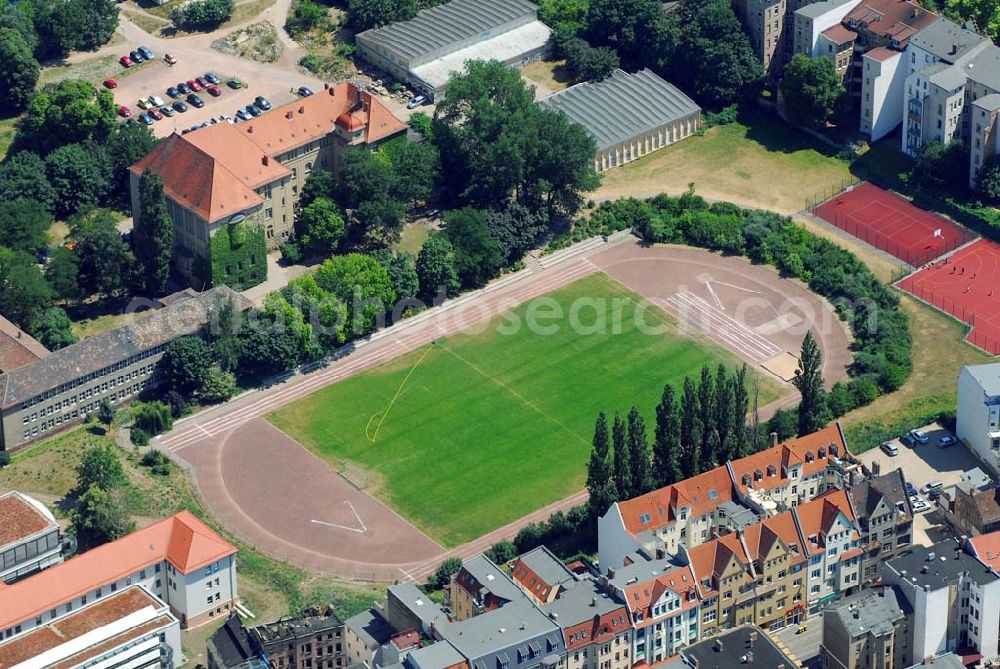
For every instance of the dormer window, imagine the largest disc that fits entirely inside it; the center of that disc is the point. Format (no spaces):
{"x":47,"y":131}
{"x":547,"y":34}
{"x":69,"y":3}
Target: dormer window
{"x":746,"y":479}
{"x":822,"y":452}
{"x":771,"y":470}
{"x":809,"y":456}
{"x":833,"y":449}
{"x":757,"y":475}
{"x":645,"y":518}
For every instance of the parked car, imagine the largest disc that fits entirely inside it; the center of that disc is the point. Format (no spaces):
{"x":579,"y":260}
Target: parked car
{"x":110,"y":83}
{"x":946,"y":441}
{"x":146,"y":53}
{"x":919,"y":506}
{"x":156,"y":100}
{"x":213,"y":90}
{"x":183,"y":88}
{"x":262,"y":103}
{"x":170,"y":59}
{"x":416,"y":102}
{"x":136,"y":56}
{"x":201,"y":81}
{"x":908,"y":440}
{"x":228,"y":119}
{"x":932,"y":486}
{"x":920,"y":436}
{"x":195,"y":101}
{"x":243,"y":114}
{"x":143,"y":103}
{"x":173,"y":92}
{"x":890,"y":449}
{"x":212,"y":78}
{"x":125,"y":61}
{"x":193,"y":85}
{"x":145,"y":119}
{"x":167,"y":110}
{"x":304,"y":91}
{"x":235,"y":83}
{"x":124,"y":111}
{"x":253,"y":110}
{"x":933,"y":495}
{"x":180,"y":106}
{"x":910,"y":490}
{"x":155,"y":114}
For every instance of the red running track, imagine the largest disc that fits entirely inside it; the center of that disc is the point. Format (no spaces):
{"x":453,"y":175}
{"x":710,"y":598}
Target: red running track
{"x":966,"y":285}
{"x":893,"y":224}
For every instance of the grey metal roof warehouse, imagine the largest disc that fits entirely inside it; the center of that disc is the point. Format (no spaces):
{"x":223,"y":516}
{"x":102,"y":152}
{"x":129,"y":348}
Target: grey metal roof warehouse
{"x":622,"y":106}
{"x":452,"y":23}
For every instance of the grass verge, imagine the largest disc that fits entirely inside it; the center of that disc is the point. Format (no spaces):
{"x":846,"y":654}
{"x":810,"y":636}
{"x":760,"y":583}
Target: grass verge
{"x":507,"y":405}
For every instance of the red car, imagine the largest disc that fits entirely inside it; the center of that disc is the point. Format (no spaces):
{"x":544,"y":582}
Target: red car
{"x":125,"y":61}
{"x":124,"y":111}
{"x":154,"y":113}
{"x":110,"y":83}
{"x":213,"y":90}
{"x":193,"y":85}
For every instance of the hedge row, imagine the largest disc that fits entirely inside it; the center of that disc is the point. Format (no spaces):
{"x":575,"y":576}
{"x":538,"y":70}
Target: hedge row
{"x":882,"y":343}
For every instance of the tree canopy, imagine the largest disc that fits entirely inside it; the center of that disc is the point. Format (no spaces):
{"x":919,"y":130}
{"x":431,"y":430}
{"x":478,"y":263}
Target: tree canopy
{"x":811,"y":90}
{"x":477,"y":255}
{"x":24,"y":224}
{"x":19,"y":73}
{"x":68,"y":112}
{"x":153,"y":234}
{"x":73,"y":25}
{"x":365,"y":14}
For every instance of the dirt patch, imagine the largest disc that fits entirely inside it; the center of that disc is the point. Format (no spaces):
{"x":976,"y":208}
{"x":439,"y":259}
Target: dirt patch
{"x":258,"y":42}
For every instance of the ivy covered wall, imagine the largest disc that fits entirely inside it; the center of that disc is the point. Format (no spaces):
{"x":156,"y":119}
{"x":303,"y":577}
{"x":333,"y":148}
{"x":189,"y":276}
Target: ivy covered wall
{"x":238,"y":257}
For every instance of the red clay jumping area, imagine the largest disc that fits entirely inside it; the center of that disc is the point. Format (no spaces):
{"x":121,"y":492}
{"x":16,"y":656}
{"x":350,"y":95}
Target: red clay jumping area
{"x":893,"y":224}
{"x":966,"y":285}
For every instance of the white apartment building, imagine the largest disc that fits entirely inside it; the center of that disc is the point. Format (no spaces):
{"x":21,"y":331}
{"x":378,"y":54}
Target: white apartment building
{"x":955,"y":600}
{"x":130,"y":629}
{"x":29,"y":537}
{"x":978,"y":415}
{"x":180,"y":560}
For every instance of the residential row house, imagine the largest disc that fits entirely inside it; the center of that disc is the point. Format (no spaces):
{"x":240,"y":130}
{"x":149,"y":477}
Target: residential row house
{"x":869,"y":630}
{"x":885,"y":519}
{"x":690,"y":512}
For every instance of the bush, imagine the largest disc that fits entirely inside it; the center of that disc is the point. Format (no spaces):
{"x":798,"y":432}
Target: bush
{"x":158,"y":463}
{"x":139,"y":437}
{"x":178,"y":405}
{"x":4,"y":459}
{"x":442,"y":576}
{"x":153,"y":417}
{"x":218,"y":386}
{"x":203,"y":14}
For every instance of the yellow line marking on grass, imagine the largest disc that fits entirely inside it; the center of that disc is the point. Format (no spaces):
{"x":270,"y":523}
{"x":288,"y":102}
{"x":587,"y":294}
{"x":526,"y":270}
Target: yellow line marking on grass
{"x":371,"y":437}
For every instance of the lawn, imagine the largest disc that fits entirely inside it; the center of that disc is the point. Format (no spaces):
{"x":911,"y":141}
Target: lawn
{"x":758,"y":162}
{"x":8,"y":128}
{"x":492,"y":426}
{"x":548,"y":76}
{"x":412,"y":239}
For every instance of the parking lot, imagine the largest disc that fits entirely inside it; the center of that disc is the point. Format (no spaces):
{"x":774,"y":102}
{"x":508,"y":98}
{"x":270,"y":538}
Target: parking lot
{"x":803,"y":646}
{"x":921,"y":465}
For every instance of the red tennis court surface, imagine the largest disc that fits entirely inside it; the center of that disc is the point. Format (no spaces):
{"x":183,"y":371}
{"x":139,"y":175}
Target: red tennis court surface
{"x":893,"y":224}
{"x":966,"y":284}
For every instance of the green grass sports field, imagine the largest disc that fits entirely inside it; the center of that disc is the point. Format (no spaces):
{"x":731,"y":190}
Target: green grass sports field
{"x":489,"y":427}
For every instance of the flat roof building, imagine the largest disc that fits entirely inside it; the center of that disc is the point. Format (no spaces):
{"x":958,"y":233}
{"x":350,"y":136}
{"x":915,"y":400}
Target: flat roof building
{"x":128,"y":629}
{"x":29,"y":537}
{"x":628,"y":115}
{"x":745,"y":647}
{"x":425,"y":50}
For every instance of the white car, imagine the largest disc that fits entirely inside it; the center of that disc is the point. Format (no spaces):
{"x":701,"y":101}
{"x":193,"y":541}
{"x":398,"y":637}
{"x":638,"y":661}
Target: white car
{"x":920,"y":436}
{"x":416,"y":102}
{"x":946,"y":441}
{"x":919,"y":505}
{"x":890,"y":449}
{"x":156,"y":100}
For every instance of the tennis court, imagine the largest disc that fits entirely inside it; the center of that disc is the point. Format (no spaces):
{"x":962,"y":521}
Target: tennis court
{"x":892,"y":224}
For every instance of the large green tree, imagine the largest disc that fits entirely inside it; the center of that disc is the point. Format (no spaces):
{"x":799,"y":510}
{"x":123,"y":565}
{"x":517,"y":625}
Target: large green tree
{"x":153,"y":234}
{"x":99,"y":466}
{"x":319,"y":227}
{"x":600,"y":470}
{"x":222,"y":332}
{"x":185,"y":364}
{"x":68,"y":112}
{"x":559,"y":165}
{"x":202,"y":14}
{"x":811,"y":90}
{"x":706,"y":415}
{"x":106,"y":262}
{"x":74,"y":25}
{"x":637,"y":29}
{"x":19,"y":73}
{"x":17,"y":16}
{"x":362,"y":284}
{"x":415,"y":168}
{"x":80,"y":175}
{"x":477,"y":256}
{"x":23,"y":176}
{"x":100,"y":516}
{"x":691,"y":430}
{"x":365,"y":14}
{"x":24,"y":293}
{"x":53,"y":329}
{"x":436,"y":267}
{"x":741,"y":407}
{"x":125,"y":147}
{"x":988,"y":179}
{"x":809,"y":382}
{"x":62,"y":271}
{"x":667,"y":440}
{"x":23,"y":224}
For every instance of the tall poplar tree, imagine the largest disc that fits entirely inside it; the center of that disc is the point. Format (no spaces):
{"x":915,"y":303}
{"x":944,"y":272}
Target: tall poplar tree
{"x":706,"y":415}
{"x":741,"y":406}
{"x":600,"y":472}
{"x":809,"y":381}
{"x":690,"y":431}
{"x":667,"y":440}
{"x":622,"y":461}
{"x":154,"y":234}
{"x":638,"y":447}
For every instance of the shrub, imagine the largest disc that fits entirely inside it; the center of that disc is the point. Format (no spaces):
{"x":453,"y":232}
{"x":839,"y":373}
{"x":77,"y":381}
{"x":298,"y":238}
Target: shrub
{"x":442,"y":576}
{"x":153,"y":417}
{"x":139,"y":437}
{"x":4,"y":459}
{"x":157,"y":462}
{"x":218,"y":386}
{"x":203,"y":14}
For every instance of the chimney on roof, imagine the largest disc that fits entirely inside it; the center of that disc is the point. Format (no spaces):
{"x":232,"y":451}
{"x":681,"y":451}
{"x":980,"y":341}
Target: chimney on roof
{"x":250,"y":129}
{"x":326,"y":86}
{"x":302,"y":110}
{"x":289,"y":114}
{"x":954,"y":48}
{"x":265,"y":161}
{"x":718,"y":645}
{"x":774,"y":438}
{"x":752,"y":639}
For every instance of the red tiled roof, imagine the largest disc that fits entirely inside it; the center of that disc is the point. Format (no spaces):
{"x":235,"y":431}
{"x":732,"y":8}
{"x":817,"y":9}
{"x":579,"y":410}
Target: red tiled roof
{"x":19,"y":519}
{"x":182,"y":540}
{"x":17,"y":348}
{"x":680,"y":580}
{"x":817,"y":516}
{"x":215,"y":170}
{"x":701,"y":493}
{"x":881,"y":54}
{"x":987,"y":549}
{"x":896,"y":19}
{"x":839,"y":34}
